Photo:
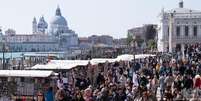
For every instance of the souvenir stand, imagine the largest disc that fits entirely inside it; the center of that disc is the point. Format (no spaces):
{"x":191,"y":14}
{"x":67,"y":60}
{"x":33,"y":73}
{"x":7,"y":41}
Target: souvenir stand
{"x":25,"y":84}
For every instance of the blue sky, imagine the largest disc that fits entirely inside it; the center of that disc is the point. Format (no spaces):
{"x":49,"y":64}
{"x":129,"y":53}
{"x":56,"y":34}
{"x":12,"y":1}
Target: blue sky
{"x":87,"y":17}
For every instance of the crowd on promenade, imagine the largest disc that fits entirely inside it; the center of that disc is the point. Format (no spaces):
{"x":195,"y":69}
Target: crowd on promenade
{"x":149,"y":79}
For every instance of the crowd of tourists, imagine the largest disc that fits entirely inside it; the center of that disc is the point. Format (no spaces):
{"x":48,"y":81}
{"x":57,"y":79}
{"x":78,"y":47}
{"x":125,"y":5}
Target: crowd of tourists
{"x":150,"y":79}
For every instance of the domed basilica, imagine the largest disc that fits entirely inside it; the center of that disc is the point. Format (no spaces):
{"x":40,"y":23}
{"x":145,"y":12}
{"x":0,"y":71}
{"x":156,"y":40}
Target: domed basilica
{"x":55,"y":36}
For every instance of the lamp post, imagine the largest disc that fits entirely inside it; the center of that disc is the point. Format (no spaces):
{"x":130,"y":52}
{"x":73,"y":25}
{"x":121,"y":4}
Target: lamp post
{"x":22,"y":67}
{"x":133,"y":48}
{"x":2,"y":47}
{"x":3,"y":50}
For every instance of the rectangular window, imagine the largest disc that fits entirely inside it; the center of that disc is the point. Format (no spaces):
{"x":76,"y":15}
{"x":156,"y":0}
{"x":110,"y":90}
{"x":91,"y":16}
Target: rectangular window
{"x":178,"y":30}
{"x":195,"y":30}
{"x":186,"y":30}
{"x":168,"y":31}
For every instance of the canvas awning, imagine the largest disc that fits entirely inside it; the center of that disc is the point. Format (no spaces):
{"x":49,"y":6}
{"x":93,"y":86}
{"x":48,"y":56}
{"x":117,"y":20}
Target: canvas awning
{"x":96,"y":61}
{"x":26,"y":73}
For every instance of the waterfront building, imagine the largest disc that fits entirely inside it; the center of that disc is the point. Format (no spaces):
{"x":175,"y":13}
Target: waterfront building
{"x":103,"y":39}
{"x":120,"y":43}
{"x":31,"y":43}
{"x":178,"y":28}
{"x":53,"y":37}
{"x":85,"y":43}
{"x":145,"y":32}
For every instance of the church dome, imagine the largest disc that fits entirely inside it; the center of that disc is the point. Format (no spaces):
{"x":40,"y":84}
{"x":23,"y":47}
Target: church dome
{"x":58,"y":19}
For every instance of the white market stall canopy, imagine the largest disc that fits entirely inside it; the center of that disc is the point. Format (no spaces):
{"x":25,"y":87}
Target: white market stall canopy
{"x":26,"y":73}
{"x":129,"y":57}
{"x":142,"y":56}
{"x":51,"y":66}
{"x":69,"y":64}
{"x":101,"y":60}
{"x":74,"y":62}
{"x":61,"y":64}
{"x":125,"y":57}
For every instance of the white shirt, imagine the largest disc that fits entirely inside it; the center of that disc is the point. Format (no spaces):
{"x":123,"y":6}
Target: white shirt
{"x":60,"y":84}
{"x":65,"y":80}
{"x":135,"y":80}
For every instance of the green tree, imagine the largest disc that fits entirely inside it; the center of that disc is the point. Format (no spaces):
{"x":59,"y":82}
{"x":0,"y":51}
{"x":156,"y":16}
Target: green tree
{"x":152,"y":44}
{"x":129,"y":39}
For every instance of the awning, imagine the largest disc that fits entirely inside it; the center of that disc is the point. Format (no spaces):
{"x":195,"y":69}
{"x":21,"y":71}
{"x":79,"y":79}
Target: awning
{"x":26,"y":73}
{"x":74,"y":62}
{"x":142,"y":56}
{"x":69,"y":64}
{"x":96,"y":61}
{"x":129,"y":57}
{"x":125,"y":57}
{"x":61,"y":64}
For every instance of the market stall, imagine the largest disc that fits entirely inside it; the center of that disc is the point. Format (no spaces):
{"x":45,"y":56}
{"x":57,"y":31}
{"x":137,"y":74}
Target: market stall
{"x":24,"y":83}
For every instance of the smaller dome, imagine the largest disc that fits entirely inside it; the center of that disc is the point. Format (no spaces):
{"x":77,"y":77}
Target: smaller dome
{"x":42,"y":23}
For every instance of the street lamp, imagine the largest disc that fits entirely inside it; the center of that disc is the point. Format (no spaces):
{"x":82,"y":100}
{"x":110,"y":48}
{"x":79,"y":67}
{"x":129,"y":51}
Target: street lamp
{"x":22,"y":67}
{"x":133,"y":48}
{"x":3,"y":50}
{"x":3,"y":47}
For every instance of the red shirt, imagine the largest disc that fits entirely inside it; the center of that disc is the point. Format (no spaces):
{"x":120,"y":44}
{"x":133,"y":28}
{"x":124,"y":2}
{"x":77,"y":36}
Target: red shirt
{"x":23,"y":98}
{"x":198,"y":83}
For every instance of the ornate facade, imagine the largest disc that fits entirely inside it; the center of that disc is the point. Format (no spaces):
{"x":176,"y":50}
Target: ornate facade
{"x":177,"y":28}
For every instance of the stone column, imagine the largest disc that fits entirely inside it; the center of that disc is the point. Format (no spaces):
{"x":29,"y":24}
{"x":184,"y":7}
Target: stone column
{"x":171,"y":31}
{"x":182,"y":50}
{"x":191,"y":34}
{"x":182,"y":31}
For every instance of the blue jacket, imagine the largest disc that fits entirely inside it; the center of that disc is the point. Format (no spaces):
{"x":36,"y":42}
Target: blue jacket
{"x":49,"y":96}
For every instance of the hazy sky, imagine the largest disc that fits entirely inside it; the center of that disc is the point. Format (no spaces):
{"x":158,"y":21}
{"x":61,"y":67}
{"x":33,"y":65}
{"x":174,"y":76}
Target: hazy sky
{"x":87,"y":17}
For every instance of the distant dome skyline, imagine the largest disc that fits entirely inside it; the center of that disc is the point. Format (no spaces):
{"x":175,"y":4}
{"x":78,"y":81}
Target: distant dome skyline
{"x":55,"y":21}
{"x":56,"y":26}
{"x":88,"y":17}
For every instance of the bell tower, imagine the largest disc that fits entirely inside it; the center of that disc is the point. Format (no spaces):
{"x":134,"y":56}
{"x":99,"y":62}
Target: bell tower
{"x":34,"y":26}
